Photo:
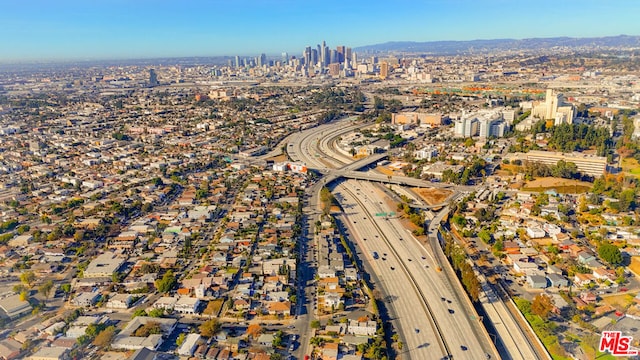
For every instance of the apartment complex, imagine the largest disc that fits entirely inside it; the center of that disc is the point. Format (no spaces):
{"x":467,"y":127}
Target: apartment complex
{"x":482,"y":124}
{"x":587,"y":164}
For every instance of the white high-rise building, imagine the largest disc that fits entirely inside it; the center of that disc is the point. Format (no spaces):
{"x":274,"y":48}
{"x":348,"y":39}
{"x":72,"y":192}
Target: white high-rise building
{"x":554,"y":108}
{"x":466,"y":127}
{"x":498,"y":128}
{"x":483,"y":124}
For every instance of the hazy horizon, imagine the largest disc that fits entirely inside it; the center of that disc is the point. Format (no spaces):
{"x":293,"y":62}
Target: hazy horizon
{"x":73,"y":30}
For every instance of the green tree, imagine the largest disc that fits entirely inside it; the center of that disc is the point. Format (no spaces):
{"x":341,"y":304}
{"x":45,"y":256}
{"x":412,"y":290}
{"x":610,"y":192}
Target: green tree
{"x":156,"y":312}
{"x":45,"y":289}
{"x":28,"y":277}
{"x":167,"y":282}
{"x":210,"y":328}
{"x":103,"y":339}
{"x":150,"y":328}
{"x":498,"y":245}
{"x":277,"y":339}
{"x":180,"y":339}
{"x":485,"y":236}
{"x":94,"y":329}
{"x":459,"y":220}
{"x":66,"y":288}
{"x":542,"y":306}
{"x":610,"y":253}
{"x":317,"y":341}
{"x":139,"y":312}
{"x":626,"y":200}
{"x":315,"y":324}
{"x":116,"y":277}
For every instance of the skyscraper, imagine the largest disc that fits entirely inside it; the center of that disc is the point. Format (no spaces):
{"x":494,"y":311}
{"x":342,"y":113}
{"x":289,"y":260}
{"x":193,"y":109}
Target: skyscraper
{"x":285,"y":58}
{"x":262,"y":60}
{"x":333,"y":58}
{"x":334,"y":69}
{"x":340,"y":50}
{"x":307,"y":57}
{"x":327,"y":56}
{"x":384,"y":70}
{"x":323,"y":55}
{"x":153,"y":78}
{"x":237,"y":61}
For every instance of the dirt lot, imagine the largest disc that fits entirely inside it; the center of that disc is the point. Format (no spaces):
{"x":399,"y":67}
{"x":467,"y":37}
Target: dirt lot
{"x":559,"y":184}
{"x":508,"y":169}
{"x":432,"y":196}
{"x":385,"y":170}
{"x":552,"y":181}
{"x":279,"y":158}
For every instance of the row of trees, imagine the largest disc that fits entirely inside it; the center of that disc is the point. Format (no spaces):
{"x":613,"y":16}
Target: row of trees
{"x":616,"y":187}
{"x":537,"y":314}
{"x":458,"y":259}
{"x":578,"y":137}
{"x":414,"y":216}
{"x":562,"y":169}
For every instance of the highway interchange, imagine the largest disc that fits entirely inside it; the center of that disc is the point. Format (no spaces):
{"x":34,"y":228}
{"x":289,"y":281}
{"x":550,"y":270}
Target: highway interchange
{"x":428,"y":316}
{"x":458,"y":337}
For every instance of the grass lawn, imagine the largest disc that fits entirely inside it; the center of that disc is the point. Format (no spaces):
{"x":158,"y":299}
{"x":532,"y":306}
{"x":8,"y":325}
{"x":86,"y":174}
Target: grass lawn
{"x":619,"y":301}
{"x":631,"y":166}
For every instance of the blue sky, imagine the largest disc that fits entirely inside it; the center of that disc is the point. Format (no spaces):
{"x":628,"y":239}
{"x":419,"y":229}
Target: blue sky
{"x":121,"y":29}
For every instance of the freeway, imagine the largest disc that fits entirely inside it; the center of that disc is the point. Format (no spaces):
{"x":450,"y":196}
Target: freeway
{"x":456,"y":325}
{"x":317,"y":149}
{"x":506,"y":319}
{"x":421,"y":338}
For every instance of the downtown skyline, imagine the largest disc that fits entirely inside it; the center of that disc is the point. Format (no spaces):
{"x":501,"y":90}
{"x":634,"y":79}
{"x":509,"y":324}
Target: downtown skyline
{"x":75,"y":30}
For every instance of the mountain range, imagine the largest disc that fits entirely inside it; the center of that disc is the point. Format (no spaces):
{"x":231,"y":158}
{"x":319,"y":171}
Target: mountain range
{"x":484,"y":46}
